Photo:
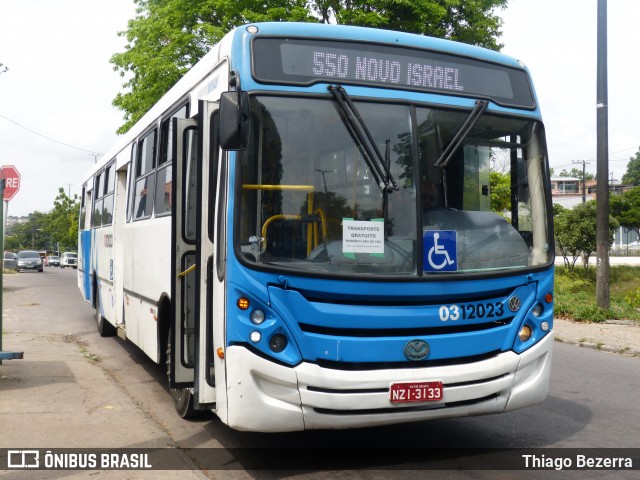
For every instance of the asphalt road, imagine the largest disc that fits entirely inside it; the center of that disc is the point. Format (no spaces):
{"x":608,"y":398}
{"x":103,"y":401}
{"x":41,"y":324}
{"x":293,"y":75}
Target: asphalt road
{"x":592,"y":405}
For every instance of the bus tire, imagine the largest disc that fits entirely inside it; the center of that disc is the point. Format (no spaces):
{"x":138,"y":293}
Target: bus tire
{"x":105,"y":329}
{"x":182,"y":397}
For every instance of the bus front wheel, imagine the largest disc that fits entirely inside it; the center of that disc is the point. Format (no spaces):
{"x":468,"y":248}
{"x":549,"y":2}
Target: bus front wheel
{"x":182,"y":397}
{"x":183,"y":402}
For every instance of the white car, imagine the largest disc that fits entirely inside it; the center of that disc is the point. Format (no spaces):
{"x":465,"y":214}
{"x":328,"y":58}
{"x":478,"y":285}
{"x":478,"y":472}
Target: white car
{"x":69,"y":259}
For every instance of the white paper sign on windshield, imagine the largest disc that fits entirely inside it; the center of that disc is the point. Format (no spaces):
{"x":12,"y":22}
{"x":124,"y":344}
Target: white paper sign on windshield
{"x":360,"y":236}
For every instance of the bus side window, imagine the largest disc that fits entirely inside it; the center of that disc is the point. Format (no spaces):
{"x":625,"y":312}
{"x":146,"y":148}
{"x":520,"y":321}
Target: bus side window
{"x":131,"y":181}
{"x":145,"y":178}
{"x":83,"y":209}
{"x":164,"y":188}
{"x":107,"y":204}
{"x":96,"y":217}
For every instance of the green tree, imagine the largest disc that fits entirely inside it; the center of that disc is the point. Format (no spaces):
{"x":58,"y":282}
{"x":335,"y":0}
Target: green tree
{"x":557,"y":209}
{"x":575,"y":232}
{"x":472,"y":22}
{"x":167,"y":37}
{"x":61,"y":223}
{"x":18,"y":237}
{"x":577,"y":173}
{"x":30,"y":235}
{"x":500,"y":184}
{"x":566,"y":241}
{"x":632,"y":177}
{"x":47,"y":231}
{"x":625,"y":209}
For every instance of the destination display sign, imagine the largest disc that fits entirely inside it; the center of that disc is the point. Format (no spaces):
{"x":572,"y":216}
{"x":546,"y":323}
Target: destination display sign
{"x":305,"y":62}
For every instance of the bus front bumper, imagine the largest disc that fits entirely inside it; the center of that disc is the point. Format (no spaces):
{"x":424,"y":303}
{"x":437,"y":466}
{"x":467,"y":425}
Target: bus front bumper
{"x":264,"y":396}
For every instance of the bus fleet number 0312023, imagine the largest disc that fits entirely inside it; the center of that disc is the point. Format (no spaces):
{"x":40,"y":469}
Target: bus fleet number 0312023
{"x":471,"y":311}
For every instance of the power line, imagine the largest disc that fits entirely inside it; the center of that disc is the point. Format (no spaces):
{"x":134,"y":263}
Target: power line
{"x":613,"y":153}
{"x":91,"y":152}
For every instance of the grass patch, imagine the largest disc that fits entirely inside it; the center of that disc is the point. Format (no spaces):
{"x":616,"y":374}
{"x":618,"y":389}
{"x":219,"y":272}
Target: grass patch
{"x":575,"y":294}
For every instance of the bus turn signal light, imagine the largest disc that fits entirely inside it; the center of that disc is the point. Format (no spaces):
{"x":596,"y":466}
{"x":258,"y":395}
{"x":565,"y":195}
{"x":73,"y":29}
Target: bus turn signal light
{"x":243,"y":303}
{"x":548,"y":297}
{"x":220,"y":353}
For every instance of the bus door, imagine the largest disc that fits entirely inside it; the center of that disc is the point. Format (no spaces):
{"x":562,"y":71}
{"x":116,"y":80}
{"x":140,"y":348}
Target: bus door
{"x":183,"y":258}
{"x":195,"y":283}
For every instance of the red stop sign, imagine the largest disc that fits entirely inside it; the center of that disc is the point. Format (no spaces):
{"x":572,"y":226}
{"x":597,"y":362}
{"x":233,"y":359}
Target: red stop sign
{"x":11,"y":181}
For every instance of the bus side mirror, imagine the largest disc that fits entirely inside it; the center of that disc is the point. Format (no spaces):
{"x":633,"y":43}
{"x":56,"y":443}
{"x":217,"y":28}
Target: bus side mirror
{"x":234,"y":120}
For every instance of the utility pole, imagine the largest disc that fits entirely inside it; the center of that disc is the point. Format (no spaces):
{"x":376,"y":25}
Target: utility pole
{"x":584,"y":178}
{"x":603,"y":269}
{"x":324,"y":180}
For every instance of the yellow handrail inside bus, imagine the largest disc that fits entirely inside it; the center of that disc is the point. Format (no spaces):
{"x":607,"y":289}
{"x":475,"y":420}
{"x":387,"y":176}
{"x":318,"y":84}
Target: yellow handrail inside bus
{"x":187,"y":271}
{"x":312,"y":232}
{"x":300,"y":188}
{"x":273,"y":218}
{"x":325,"y":232}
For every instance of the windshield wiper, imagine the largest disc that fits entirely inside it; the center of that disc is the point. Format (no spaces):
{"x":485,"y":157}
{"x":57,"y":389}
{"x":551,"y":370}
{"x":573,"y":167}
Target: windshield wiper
{"x":364,"y":140}
{"x":456,"y":141}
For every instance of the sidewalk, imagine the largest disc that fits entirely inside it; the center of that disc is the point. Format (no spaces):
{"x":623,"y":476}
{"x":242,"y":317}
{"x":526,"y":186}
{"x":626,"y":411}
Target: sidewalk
{"x":616,"y":336}
{"x":59,"y":396}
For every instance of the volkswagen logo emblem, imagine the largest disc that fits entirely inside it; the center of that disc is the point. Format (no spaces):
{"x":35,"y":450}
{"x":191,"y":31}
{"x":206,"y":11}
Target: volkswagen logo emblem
{"x":514,"y":304}
{"x":416,"y":350}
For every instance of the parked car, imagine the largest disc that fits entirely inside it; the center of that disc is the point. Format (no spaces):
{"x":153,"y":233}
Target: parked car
{"x":69,"y":259}
{"x":29,"y":260}
{"x":52,"y":261}
{"x":10,"y":261}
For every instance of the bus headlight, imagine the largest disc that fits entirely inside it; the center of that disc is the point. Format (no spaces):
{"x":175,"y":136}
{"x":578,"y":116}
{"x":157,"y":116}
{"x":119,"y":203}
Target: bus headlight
{"x":278,"y":343}
{"x":257,"y":316}
{"x":525,"y":333}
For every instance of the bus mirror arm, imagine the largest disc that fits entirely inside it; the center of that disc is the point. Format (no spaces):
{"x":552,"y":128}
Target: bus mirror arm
{"x":234,"y":120}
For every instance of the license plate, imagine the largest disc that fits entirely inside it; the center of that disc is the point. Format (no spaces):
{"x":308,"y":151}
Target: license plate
{"x":416,"y":392}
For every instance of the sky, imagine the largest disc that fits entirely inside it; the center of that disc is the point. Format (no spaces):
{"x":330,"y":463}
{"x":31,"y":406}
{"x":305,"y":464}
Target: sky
{"x":55,"y":99}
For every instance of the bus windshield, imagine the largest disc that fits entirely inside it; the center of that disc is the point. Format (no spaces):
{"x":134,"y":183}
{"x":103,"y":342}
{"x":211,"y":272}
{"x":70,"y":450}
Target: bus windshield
{"x":311,"y":199}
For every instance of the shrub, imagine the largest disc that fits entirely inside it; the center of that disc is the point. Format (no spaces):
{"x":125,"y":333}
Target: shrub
{"x":592,"y":313}
{"x":633,"y":299}
{"x":575,"y":294}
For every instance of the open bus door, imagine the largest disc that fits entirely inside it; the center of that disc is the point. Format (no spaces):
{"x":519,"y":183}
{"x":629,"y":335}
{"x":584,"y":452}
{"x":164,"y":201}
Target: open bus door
{"x":191,"y":374}
{"x":181,"y":355}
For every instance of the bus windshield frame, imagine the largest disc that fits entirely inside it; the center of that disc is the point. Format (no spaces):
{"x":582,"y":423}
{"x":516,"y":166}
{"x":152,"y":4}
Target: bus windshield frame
{"x":310,"y":204}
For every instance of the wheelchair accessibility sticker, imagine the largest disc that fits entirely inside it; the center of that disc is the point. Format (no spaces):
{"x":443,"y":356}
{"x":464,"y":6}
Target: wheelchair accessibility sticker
{"x":440,"y":251}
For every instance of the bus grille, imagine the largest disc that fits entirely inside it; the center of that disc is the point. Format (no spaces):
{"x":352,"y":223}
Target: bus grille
{"x":402,"y":332}
{"x":355,"y":366}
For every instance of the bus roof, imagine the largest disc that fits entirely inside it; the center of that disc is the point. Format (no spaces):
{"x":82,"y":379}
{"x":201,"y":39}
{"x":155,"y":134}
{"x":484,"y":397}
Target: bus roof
{"x":375,"y":35}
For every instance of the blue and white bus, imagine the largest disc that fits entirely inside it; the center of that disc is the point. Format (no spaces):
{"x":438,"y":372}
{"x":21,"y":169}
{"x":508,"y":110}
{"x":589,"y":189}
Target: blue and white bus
{"x":302,"y":228}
